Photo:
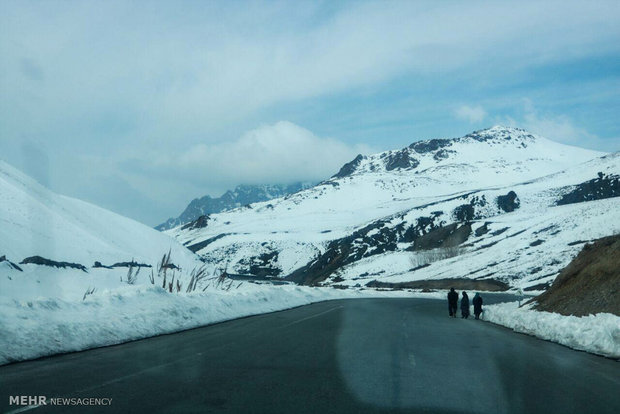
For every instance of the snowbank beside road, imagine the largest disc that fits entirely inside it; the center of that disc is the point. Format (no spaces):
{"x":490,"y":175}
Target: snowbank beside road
{"x":598,"y":334}
{"x":47,"y":326}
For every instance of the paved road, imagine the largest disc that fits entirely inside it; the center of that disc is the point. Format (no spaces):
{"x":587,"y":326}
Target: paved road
{"x":349,"y":356}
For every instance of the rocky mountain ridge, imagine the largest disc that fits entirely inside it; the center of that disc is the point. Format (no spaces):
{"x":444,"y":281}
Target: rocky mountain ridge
{"x":242,"y":195}
{"x":470,"y":207}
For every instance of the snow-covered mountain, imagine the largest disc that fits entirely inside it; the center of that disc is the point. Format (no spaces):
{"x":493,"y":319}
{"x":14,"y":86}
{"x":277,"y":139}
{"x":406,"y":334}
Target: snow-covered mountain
{"x":242,"y":195}
{"x":396,"y":216}
{"x":46,"y":235}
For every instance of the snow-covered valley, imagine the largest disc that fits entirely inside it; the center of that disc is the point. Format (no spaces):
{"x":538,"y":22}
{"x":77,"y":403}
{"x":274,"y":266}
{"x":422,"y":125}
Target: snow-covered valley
{"x":75,"y":276}
{"x":499,"y":207}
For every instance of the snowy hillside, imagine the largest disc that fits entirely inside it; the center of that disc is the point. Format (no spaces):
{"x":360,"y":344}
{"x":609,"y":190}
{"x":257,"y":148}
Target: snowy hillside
{"x":62,"y":238}
{"x":383,"y":215}
{"x":64,"y":278}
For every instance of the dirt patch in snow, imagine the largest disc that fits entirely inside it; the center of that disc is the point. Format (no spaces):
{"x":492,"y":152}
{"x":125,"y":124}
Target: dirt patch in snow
{"x":490,"y":285}
{"x":590,"y":284}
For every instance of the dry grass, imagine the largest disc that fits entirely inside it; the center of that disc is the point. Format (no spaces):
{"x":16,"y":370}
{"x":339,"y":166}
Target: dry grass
{"x":589,"y":284}
{"x":197,"y":275}
{"x":132,"y":274}
{"x":88,"y":292}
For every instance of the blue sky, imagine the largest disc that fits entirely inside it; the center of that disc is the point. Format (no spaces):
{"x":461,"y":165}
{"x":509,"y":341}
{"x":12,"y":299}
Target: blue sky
{"x":141,"y":106}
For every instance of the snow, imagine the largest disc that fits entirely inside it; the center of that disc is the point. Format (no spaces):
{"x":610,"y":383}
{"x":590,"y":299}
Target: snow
{"x":34,"y":221}
{"x":512,"y":257}
{"x":46,"y":310}
{"x":50,"y":325}
{"x":487,"y":163}
{"x":598,"y":334}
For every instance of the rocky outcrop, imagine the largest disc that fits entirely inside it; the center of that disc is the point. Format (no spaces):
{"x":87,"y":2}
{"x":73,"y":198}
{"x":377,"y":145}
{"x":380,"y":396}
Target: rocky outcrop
{"x":464,"y":212}
{"x":482,"y":230}
{"x":132,"y":264}
{"x":349,"y":168}
{"x":38,"y":260}
{"x":201,"y":245}
{"x":261,"y":266}
{"x":427,"y":232}
{"x":400,"y":160}
{"x":604,"y":186}
{"x":443,"y":154}
{"x":9,"y":263}
{"x":242,"y":195}
{"x":470,"y":211}
{"x":444,"y":236}
{"x":199,"y":223}
{"x":422,"y":147}
{"x":509,"y":202}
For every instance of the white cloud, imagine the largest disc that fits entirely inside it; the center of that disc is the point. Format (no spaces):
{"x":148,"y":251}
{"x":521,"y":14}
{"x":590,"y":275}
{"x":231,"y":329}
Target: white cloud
{"x":278,"y":153}
{"x":472,"y":114}
{"x":181,"y":71}
{"x":108,"y":79}
{"x":559,"y":128}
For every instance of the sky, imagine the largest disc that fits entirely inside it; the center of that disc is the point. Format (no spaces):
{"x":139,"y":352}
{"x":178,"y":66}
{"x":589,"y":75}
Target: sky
{"x":139,"y":107}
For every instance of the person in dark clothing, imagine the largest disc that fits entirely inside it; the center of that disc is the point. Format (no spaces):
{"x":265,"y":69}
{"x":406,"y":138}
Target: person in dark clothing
{"x":477,"y":301}
{"x":465,"y":306}
{"x":453,"y":299}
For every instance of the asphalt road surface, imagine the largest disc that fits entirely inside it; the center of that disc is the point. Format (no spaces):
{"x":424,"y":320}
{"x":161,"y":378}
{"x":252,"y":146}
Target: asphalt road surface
{"x":348,"y":356}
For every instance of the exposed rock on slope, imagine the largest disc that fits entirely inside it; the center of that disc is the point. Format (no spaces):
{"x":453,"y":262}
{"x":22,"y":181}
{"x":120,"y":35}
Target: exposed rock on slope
{"x":6,"y":263}
{"x":38,"y":260}
{"x":605,"y":186}
{"x":589,"y":284}
{"x":489,"y":285}
{"x":509,"y":202}
{"x":491,"y":196}
{"x":349,"y":167}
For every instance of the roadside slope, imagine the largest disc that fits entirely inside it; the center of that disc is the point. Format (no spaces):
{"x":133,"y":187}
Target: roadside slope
{"x":590,"y":284}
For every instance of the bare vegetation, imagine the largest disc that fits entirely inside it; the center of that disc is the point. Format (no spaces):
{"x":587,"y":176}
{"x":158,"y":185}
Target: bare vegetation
{"x":197,"y":275}
{"x":132,"y":274}
{"x":162,"y":272}
{"x":590,"y":284}
{"x":221,"y":279}
{"x":88,"y":292}
{"x":170,"y":277}
{"x":425,"y":257}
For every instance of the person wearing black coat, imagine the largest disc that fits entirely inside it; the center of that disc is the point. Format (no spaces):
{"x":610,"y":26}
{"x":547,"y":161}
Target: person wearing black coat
{"x":465,"y":306}
{"x":477,"y":301}
{"x":453,"y":300}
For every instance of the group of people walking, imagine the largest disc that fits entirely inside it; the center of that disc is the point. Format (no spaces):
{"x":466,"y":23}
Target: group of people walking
{"x":453,"y":299}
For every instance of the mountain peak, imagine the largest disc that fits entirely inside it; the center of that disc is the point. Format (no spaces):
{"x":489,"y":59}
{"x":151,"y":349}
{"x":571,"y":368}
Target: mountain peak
{"x":499,"y":132}
{"x":500,"y":127}
{"x":498,"y":145}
